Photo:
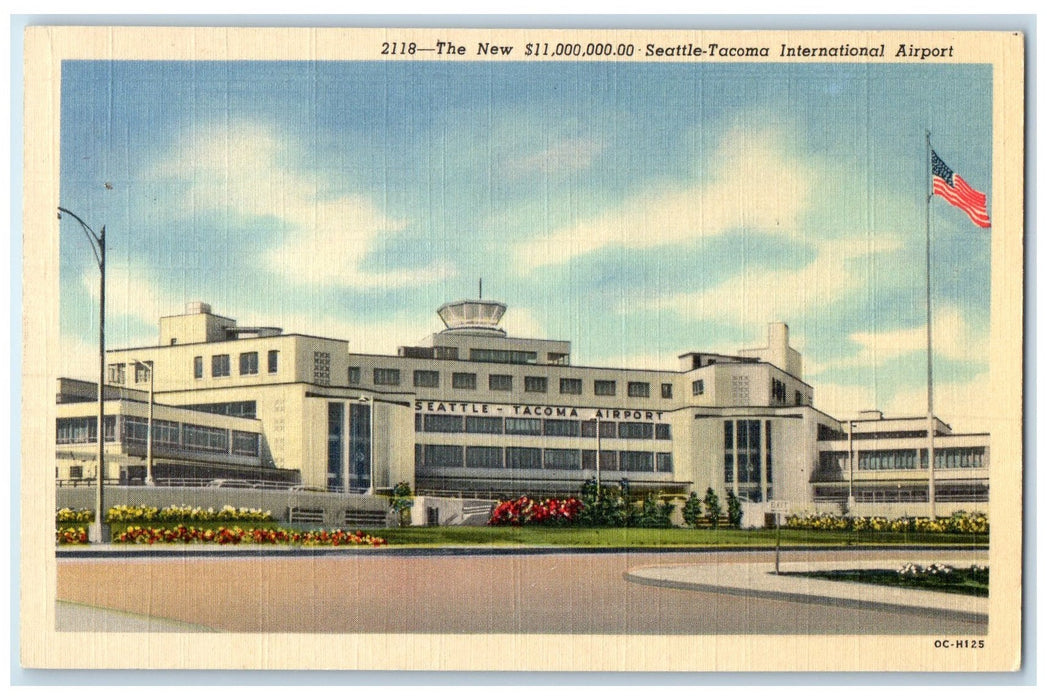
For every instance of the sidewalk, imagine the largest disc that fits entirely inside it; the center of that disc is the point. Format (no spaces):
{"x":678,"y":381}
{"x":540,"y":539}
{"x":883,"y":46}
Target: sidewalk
{"x":759,"y":581}
{"x":75,"y":617}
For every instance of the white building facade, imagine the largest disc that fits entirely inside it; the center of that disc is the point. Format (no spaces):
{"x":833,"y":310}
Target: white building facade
{"x":474,"y":412}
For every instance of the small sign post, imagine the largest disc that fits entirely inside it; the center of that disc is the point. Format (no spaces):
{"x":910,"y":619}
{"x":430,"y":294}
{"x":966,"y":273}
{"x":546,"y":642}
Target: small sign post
{"x":778,"y":507}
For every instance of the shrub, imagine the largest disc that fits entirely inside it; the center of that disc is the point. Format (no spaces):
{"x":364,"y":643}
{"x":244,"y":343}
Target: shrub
{"x":401,"y":502}
{"x":734,"y":510}
{"x":692,"y":510}
{"x":712,"y":507}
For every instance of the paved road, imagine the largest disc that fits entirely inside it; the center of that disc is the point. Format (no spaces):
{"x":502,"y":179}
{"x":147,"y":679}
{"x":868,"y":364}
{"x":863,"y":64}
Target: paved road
{"x":561,"y":593}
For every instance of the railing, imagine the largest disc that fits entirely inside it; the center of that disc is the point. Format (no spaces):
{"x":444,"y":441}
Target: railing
{"x":189,"y":483}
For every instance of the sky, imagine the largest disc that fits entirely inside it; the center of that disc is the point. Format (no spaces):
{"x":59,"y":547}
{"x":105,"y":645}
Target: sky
{"x":640,"y":211}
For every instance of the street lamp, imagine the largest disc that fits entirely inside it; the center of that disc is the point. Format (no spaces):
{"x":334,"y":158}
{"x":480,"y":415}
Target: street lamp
{"x":97,"y":531}
{"x":149,"y":424}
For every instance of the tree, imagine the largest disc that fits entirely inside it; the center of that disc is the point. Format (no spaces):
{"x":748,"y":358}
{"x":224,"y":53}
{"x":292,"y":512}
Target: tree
{"x":734,"y":510}
{"x":401,"y":502}
{"x":712,"y":507}
{"x":692,"y":510}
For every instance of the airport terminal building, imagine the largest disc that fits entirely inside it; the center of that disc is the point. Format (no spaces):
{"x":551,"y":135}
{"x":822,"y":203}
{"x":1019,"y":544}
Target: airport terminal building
{"x":473,"y":412}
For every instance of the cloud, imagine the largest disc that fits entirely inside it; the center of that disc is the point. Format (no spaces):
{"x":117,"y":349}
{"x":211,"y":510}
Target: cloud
{"x":753,"y":184}
{"x":521,"y":322}
{"x":760,"y":295}
{"x":566,"y":155}
{"x":246,"y":170}
{"x":129,"y":294}
{"x":961,"y":404}
{"x":953,"y":338}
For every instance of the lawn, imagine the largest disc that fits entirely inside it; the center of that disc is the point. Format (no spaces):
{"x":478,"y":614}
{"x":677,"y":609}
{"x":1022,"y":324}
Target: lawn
{"x":962,"y":581}
{"x":676,"y":537}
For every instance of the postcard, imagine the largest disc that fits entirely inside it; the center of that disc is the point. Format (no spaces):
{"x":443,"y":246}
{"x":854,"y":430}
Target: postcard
{"x":546,"y":350}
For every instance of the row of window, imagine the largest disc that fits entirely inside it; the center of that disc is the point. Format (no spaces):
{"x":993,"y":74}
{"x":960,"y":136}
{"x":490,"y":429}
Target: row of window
{"x":165,"y":434}
{"x":117,"y":372}
{"x":834,"y":464}
{"x":483,"y":457}
{"x":550,"y":427}
{"x":430,"y":379}
{"x":220,"y":364}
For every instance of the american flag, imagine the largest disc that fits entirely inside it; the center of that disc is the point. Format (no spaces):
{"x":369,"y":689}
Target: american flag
{"x":952,"y":188}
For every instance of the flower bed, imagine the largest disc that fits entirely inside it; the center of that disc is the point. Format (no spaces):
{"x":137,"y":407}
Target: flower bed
{"x":68,"y":515}
{"x":526,"y":511}
{"x":70,"y":535}
{"x":959,"y":522}
{"x":182,"y":513}
{"x":972,"y":580}
{"x":182,"y":534}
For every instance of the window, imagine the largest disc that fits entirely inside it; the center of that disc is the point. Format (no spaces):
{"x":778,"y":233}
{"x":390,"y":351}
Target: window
{"x":500,"y":382}
{"x":242,"y":409}
{"x":76,"y":471}
{"x":245,"y":443}
{"x":206,"y":438}
{"x":562,"y":459}
{"x":664,"y":462}
{"x":608,"y":461}
{"x":558,"y":358}
{"x":322,"y":368}
{"x":742,"y":451}
{"x":117,"y":374}
{"x":443,"y":455}
{"x":198,"y":367}
{"x":445,"y":353}
{"x":799,"y":399}
{"x":436,"y":423}
{"x":463,"y":380}
{"x":536,"y":385}
{"x":80,"y":430}
{"x":484,"y":457}
{"x":604,"y":387}
{"x":639,"y":390}
{"x":570,"y":386}
{"x":248,"y":363}
{"x":561,"y":428}
{"x":336,"y":431}
{"x":274,"y":361}
{"x":637,"y":461}
{"x":354,"y":376}
{"x":523,"y":426}
{"x":667,"y":391}
{"x":876,"y":460}
{"x":636,"y":431}
{"x":426,"y":378}
{"x":777,"y":391}
{"x":514,"y":357}
{"x":662,"y":431}
{"x":219,"y":365}
{"x":387,"y":377}
{"x":523,"y":457}
{"x":142,"y":372}
{"x":698,"y":387}
{"x":483,"y":424}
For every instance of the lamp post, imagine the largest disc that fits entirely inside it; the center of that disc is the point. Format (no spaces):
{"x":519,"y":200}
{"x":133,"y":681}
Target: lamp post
{"x":97,"y":531}
{"x":149,"y":424}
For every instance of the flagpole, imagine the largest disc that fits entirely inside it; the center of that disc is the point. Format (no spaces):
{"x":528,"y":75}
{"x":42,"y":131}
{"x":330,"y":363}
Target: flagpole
{"x":930,"y":354}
